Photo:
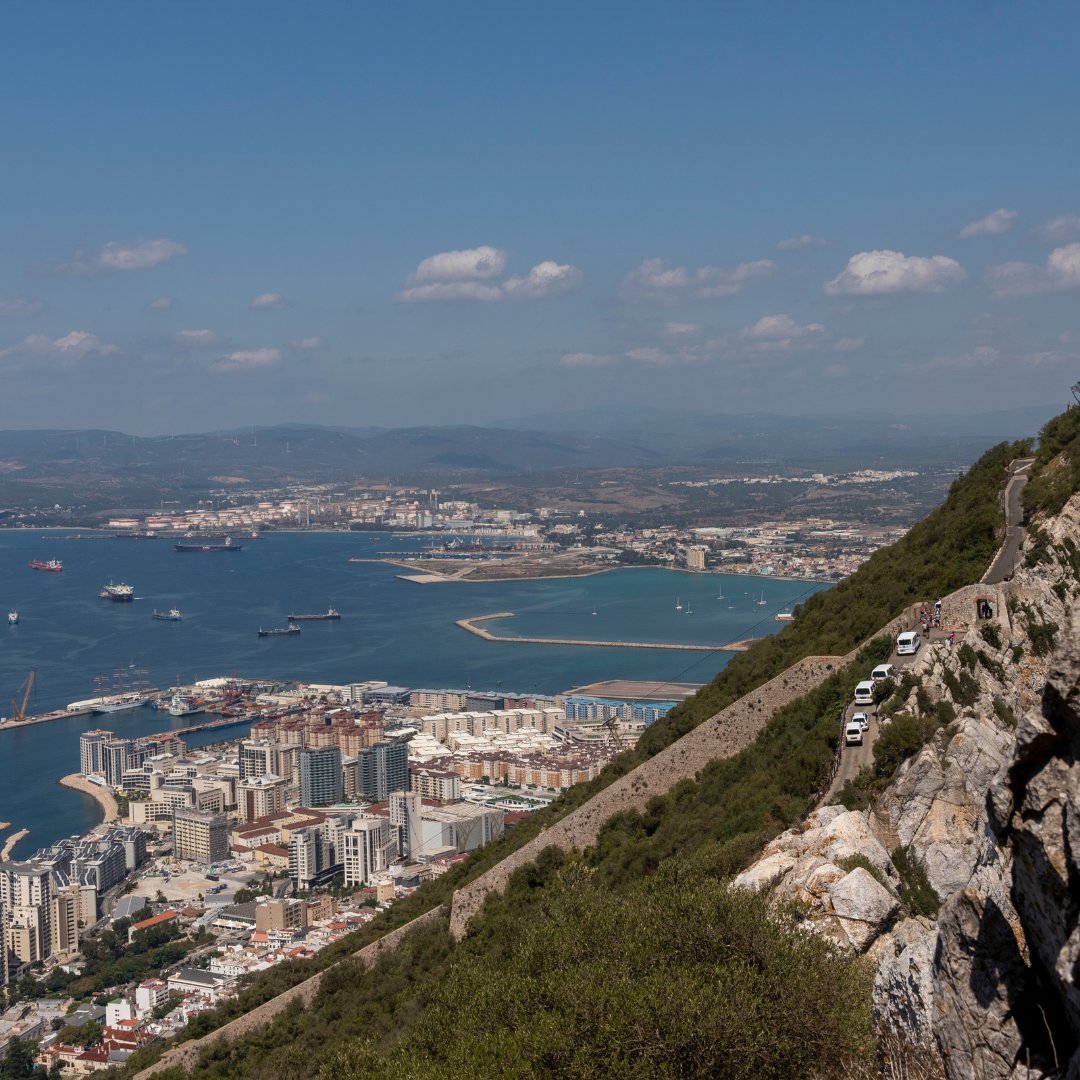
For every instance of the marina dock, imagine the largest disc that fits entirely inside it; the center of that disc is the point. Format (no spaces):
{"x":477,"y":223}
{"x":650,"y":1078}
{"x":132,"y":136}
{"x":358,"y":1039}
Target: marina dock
{"x":472,"y":626}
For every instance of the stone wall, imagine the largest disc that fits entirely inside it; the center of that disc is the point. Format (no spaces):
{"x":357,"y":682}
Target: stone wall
{"x":186,"y":1054}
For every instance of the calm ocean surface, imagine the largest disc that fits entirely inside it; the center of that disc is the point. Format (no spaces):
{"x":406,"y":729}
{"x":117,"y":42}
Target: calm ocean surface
{"x":390,"y":629}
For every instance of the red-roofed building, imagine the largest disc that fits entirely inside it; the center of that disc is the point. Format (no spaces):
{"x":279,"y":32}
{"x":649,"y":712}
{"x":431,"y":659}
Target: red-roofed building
{"x":154,"y":920}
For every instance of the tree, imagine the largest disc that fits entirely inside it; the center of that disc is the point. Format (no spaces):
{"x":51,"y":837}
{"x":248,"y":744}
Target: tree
{"x":18,"y":1061}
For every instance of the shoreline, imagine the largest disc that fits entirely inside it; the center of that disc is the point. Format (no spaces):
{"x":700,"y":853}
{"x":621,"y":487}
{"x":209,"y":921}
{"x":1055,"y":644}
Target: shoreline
{"x":12,"y":840}
{"x":471,"y":626}
{"x":101,"y":795}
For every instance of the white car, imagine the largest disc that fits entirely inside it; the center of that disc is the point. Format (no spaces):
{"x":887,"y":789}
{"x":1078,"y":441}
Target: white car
{"x":853,"y":734}
{"x":861,"y":719}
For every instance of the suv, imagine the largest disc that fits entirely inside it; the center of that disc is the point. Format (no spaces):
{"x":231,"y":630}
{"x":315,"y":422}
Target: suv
{"x":861,"y":719}
{"x":853,"y":733}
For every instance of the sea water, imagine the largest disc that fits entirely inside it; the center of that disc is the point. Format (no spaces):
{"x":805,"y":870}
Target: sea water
{"x":390,"y":629}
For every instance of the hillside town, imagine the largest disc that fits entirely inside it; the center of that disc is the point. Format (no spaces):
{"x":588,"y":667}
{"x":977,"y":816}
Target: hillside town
{"x":234,"y":857}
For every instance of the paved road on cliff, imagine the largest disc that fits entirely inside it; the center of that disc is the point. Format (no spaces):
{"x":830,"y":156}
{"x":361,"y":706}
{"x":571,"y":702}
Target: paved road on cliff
{"x":1002,"y":567}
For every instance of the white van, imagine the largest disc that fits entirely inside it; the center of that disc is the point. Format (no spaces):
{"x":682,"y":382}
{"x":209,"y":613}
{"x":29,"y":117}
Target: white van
{"x":882,"y":672}
{"x":864,"y":693}
{"x":907,"y":643}
{"x":853,"y":734}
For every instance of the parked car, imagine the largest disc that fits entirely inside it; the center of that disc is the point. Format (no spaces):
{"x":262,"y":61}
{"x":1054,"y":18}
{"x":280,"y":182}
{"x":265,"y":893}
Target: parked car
{"x":861,"y":719}
{"x":853,"y":733}
{"x":883,"y":672}
{"x":864,"y":693}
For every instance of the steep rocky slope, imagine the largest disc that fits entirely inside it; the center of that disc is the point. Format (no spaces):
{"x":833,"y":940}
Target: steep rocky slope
{"x":984,"y":985}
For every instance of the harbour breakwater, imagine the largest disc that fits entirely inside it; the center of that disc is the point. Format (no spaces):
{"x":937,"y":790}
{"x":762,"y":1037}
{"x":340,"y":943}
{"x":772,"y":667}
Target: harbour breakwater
{"x":101,"y":794}
{"x":472,"y":625}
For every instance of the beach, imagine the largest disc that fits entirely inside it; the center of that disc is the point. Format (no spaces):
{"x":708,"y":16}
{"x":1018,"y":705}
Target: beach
{"x":102,"y":795}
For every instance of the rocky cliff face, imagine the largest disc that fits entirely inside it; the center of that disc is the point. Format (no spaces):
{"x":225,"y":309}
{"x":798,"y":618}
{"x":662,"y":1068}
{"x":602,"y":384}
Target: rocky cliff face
{"x":989,"y":808}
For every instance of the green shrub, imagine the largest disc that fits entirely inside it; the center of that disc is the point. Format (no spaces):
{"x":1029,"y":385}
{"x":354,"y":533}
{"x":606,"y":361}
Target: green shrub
{"x":966,"y":655}
{"x":1061,"y":590}
{"x":1004,"y":713}
{"x":857,"y":860}
{"x":1017,"y":653}
{"x":991,"y":635}
{"x":860,"y":791}
{"x":916,"y":891}
{"x":995,"y":667}
{"x":963,"y":689}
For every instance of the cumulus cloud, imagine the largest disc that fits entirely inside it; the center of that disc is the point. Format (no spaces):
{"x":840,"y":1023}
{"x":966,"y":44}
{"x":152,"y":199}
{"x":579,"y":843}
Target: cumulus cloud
{"x":198,"y":337}
{"x":67,"y":350}
{"x":996,"y":222}
{"x":308,"y":344}
{"x":270,"y":301}
{"x":470,"y":264}
{"x":798,"y":243}
{"x":777,"y":327}
{"x":847,"y":344}
{"x":115,"y":256}
{"x":470,"y":274}
{"x":1059,"y":229}
{"x":587,"y":360}
{"x":878,"y":273}
{"x":1060,"y":274}
{"x":248,"y":360}
{"x":656,"y":279}
{"x":544,"y":279}
{"x":162,"y":303}
{"x":13,"y":306}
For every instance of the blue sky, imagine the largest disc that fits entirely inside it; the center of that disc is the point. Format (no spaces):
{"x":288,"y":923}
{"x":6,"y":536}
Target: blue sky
{"x":216,"y":215}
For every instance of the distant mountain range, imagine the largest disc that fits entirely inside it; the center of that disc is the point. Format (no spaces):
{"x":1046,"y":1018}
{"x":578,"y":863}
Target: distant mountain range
{"x":111,"y":468}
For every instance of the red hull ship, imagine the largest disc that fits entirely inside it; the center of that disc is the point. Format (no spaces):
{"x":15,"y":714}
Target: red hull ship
{"x":53,"y":566}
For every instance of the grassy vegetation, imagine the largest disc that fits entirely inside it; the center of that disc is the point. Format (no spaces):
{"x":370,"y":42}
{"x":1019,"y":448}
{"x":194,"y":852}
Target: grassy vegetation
{"x":916,"y":891}
{"x":608,"y":963}
{"x":1054,"y":479}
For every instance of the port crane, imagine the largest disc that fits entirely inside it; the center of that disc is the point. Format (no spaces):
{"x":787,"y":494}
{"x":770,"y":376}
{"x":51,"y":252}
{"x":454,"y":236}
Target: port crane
{"x":18,"y":712}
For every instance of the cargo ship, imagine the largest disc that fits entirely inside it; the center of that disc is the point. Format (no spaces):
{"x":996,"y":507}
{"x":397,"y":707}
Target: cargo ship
{"x":172,"y":615}
{"x":184,"y":705}
{"x":330,"y":613}
{"x":119,"y":594}
{"x":53,"y":566}
{"x":208,"y":545}
{"x":279,"y":631}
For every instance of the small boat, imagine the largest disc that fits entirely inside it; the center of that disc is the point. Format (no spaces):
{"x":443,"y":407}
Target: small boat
{"x":762,"y":600}
{"x":689,"y":610}
{"x":53,"y":566}
{"x":784,"y":616}
{"x":119,"y":594}
{"x":279,"y":631}
{"x":172,"y":615}
{"x":331,"y":613}
{"x":678,"y":604}
{"x":13,"y":618}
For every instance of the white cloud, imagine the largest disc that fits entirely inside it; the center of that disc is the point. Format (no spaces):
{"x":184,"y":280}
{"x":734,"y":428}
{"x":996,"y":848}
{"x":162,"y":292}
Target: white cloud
{"x":1059,"y":229}
{"x":996,"y":222}
{"x":777,"y":327}
{"x":69,"y":349}
{"x":308,"y":344}
{"x":469,"y":275}
{"x":798,"y":243}
{"x":681,"y":329}
{"x":877,"y":273}
{"x":14,"y":306}
{"x":470,"y":264}
{"x":449,"y":290}
{"x":656,"y":279}
{"x":198,"y":337}
{"x":544,"y":279}
{"x":587,"y":360}
{"x":248,"y":360}
{"x":117,"y":257}
{"x":144,"y":256}
{"x":835,"y":371}
{"x":1049,"y":358}
{"x":270,"y":301}
{"x":847,"y":344}
{"x":980,"y":357}
{"x":162,"y":303}
{"x":1060,"y":274}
